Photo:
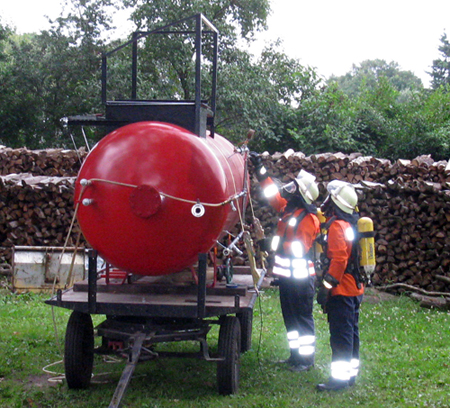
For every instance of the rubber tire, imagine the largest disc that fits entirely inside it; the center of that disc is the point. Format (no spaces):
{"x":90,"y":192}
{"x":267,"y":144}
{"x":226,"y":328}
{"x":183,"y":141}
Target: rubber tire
{"x":229,"y":348}
{"x":79,"y":350}
{"x":246,"y":321}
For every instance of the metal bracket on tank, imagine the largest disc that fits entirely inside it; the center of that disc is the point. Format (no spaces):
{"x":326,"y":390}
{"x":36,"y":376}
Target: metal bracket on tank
{"x":232,"y":247}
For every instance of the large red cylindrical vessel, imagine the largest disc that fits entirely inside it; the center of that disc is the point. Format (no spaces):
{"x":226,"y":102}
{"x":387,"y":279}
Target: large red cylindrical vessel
{"x":143,"y":182}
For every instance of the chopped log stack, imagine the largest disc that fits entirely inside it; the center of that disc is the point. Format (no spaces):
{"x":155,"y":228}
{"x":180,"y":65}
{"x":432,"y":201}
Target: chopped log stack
{"x":36,"y":204}
{"x":50,"y":162}
{"x":409,"y":202}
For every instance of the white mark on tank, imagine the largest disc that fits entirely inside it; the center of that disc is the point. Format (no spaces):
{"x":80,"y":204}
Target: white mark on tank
{"x":198,"y":210}
{"x":87,"y":201}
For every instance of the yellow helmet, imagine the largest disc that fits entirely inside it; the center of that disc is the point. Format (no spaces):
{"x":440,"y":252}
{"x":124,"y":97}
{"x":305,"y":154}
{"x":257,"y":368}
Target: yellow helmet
{"x":343,"y":195}
{"x":307,"y":187}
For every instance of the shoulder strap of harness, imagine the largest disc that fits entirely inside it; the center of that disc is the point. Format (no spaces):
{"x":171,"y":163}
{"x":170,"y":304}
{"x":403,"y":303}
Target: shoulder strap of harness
{"x":353,"y":267}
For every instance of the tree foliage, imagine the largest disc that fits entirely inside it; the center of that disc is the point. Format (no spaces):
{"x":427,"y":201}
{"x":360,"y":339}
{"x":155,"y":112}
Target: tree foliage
{"x":261,"y":94}
{"x":377,"y":108}
{"x":227,"y":15}
{"x":53,"y":74}
{"x":391,"y":115}
{"x":440,"y":70}
{"x":172,"y":54}
{"x":368,"y":73}
{"x":5,"y":32}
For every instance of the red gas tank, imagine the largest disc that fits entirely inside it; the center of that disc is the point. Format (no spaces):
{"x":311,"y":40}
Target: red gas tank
{"x":152,"y":195}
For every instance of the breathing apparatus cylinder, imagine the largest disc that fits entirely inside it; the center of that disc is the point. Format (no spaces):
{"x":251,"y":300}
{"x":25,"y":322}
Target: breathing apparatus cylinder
{"x":322,"y":220}
{"x":367,"y":245}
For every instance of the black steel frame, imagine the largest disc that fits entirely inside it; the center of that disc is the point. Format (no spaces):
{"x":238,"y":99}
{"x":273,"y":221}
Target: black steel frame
{"x":198,"y":310}
{"x":200,"y":21}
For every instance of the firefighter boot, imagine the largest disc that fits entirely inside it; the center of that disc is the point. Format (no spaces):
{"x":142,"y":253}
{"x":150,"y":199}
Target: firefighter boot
{"x":298,"y":368}
{"x":291,"y":361}
{"x":333,"y":385}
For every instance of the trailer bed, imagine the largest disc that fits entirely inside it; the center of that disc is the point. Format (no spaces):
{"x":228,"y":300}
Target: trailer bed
{"x":150,"y":296}
{"x":144,"y":311}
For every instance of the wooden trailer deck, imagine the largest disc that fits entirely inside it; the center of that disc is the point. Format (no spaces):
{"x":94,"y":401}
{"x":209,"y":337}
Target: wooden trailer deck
{"x":153,"y":296}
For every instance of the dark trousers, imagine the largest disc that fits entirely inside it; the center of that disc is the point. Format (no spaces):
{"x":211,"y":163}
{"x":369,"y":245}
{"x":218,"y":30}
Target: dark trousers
{"x":296,"y":299}
{"x":343,"y":319}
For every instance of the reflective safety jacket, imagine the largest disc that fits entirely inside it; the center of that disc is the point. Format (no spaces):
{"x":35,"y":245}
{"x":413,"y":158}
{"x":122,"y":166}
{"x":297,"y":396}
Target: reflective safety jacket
{"x":296,"y":232}
{"x":339,"y":249}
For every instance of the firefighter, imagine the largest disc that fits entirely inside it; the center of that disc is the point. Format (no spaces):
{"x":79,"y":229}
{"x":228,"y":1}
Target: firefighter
{"x":297,"y":229}
{"x":341,"y":291}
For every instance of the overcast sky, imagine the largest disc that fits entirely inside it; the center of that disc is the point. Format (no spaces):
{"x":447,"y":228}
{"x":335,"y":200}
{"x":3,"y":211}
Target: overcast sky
{"x":329,"y":35}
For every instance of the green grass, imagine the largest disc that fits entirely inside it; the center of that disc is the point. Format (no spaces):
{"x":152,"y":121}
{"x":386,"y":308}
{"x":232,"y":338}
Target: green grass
{"x":404,"y":363}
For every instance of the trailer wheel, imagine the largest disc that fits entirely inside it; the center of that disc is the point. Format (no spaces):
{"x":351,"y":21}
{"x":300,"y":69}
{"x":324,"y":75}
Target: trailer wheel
{"x":246,"y":321}
{"x":79,"y":350}
{"x":229,"y":348}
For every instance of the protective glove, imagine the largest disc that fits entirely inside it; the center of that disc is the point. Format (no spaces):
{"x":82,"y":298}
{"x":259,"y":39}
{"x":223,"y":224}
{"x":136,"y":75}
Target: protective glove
{"x":264,"y":244}
{"x":260,"y":171}
{"x":322,"y":297}
{"x":330,"y":281}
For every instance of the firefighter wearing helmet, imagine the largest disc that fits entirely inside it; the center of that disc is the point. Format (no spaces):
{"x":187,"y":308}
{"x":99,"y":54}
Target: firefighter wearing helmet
{"x":341,"y":291}
{"x":297,"y":229}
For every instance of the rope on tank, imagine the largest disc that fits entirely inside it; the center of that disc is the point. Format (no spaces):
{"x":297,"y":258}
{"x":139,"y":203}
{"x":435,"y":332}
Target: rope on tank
{"x":234,"y":197}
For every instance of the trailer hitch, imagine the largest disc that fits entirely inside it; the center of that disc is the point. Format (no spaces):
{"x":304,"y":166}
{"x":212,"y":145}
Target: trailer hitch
{"x":127,"y":373}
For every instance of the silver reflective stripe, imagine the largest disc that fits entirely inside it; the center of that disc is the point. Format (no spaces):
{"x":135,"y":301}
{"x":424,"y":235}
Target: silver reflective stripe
{"x":282,"y":271}
{"x":327,"y":285}
{"x":349,"y":234}
{"x":297,"y":249}
{"x":354,"y":367}
{"x":270,"y":191}
{"x":306,"y":350}
{"x":284,"y":262}
{"x":300,"y":269}
{"x":282,"y":266}
{"x":299,"y":263}
{"x":275,"y":242}
{"x":293,"y":339}
{"x":307,"y":347}
{"x":340,"y":370}
{"x":312,"y":270}
{"x":292,"y":335}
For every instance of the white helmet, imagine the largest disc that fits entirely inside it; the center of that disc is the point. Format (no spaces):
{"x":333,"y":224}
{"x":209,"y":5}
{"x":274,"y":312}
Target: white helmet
{"x":343,"y":195}
{"x":306,"y":185}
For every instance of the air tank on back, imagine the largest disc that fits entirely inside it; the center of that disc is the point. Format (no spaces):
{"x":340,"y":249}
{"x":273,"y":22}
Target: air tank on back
{"x":153,"y":195}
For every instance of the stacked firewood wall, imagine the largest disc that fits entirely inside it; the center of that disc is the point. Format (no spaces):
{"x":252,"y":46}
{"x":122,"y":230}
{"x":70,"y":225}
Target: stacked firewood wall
{"x":49,"y":162}
{"x":36,"y":197}
{"x":409,"y":202}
